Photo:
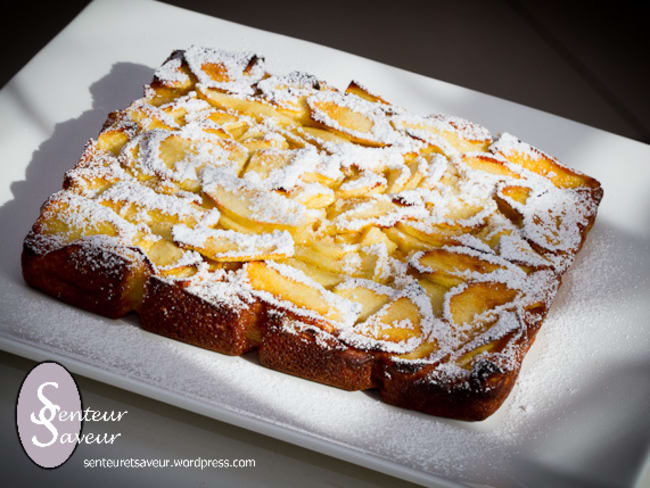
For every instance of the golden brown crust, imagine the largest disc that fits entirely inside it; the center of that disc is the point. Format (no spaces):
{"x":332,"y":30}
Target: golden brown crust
{"x":169,"y":310}
{"x":473,"y":400}
{"x":95,"y":279}
{"x":473,"y":397}
{"x":307,"y":353}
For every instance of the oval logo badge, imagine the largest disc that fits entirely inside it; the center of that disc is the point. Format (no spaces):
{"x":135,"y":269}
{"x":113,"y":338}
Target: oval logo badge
{"x":49,"y":414}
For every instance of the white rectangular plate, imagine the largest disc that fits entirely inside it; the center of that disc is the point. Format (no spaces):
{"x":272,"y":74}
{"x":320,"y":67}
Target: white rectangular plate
{"x":579,"y":411}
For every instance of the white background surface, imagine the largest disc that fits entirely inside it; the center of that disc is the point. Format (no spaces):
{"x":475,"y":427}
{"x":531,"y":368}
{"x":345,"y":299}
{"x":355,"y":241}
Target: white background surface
{"x":579,"y":412}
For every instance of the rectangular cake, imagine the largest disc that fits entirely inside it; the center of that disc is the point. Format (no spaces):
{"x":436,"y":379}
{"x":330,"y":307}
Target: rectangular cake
{"x":346,"y":240}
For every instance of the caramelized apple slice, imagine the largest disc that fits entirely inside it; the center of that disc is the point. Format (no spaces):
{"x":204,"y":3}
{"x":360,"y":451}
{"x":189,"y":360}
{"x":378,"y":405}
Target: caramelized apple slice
{"x":450,"y":268}
{"x":368,"y":294}
{"x":173,"y":79}
{"x":422,"y":351}
{"x":373,"y":235}
{"x":229,"y":245}
{"x":290,"y":285}
{"x":289,"y":93}
{"x":429,"y":235}
{"x":326,"y":279}
{"x":396,"y":321}
{"x":256,"y":208}
{"x":133,"y":201}
{"x":352,"y":117}
{"x":112,"y":140}
{"x":406,"y":242}
{"x":356,"y":88}
{"x":533,"y":159}
{"x":489,"y":164}
{"x":477,"y":298}
{"x":511,"y":200}
{"x":450,"y":134}
{"x":465,"y":361}
{"x":71,"y":217}
{"x":174,"y":73}
{"x":234,"y":72}
{"x":255,"y":108}
{"x":362,"y":184}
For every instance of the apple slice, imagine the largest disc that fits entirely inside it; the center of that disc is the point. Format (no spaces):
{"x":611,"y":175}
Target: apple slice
{"x":374,"y":235}
{"x":174,"y":73}
{"x":364,"y":183}
{"x":233,"y":72}
{"x":312,"y":195}
{"x":352,"y":117}
{"x":406,"y":242}
{"x":436,"y":294}
{"x":235,"y":126}
{"x":289,"y":93}
{"x":465,"y":361}
{"x":93,"y":173}
{"x":356,"y":88}
{"x":488,"y":163}
{"x":264,"y":161}
{"x":323,"y":253}
{"x":112,"y":140}
{"x":511,"y":200}
{"x":71,"y":216}
{"x":253,"y":207}
{"x":533,"y":159}
{"x":450,"y":268}
{"x":430,"y":235}
{"x":355,"y":214}
{"x":321,"y":137}
{"x":397,"y":321}
{"x":422,"y":351}
{"x":169,"y":259}
{"x":258,"y":109}
{"x":326,"y":279}
{"x":290,"y":285}
{"x":448,"y":133}
{"x":229,"y":245}
{"x":370,"y":295}
{"x":475,"y":299}
{"x":133,"y":200}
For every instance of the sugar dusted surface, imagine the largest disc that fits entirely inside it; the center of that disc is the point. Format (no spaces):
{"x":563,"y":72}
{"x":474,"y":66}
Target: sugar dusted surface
{"x":544,"y":426}
{"x":545,"y":399}
{"x":214,"y":176}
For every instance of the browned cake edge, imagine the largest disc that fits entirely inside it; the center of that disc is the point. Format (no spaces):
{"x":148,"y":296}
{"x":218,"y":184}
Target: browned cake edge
{"x":102,"y":280}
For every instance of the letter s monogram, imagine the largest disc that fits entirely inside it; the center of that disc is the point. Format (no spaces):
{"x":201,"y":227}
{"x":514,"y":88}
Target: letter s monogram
{"x":52,"y":409}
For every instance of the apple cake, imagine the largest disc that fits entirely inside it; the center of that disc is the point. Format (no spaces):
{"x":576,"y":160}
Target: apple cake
{"x":346,"y":240}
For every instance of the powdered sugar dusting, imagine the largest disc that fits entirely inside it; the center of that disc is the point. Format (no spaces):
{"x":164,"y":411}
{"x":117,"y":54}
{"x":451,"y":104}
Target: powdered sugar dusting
{"x":225,"y":70}
{"x":285,"y":166}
